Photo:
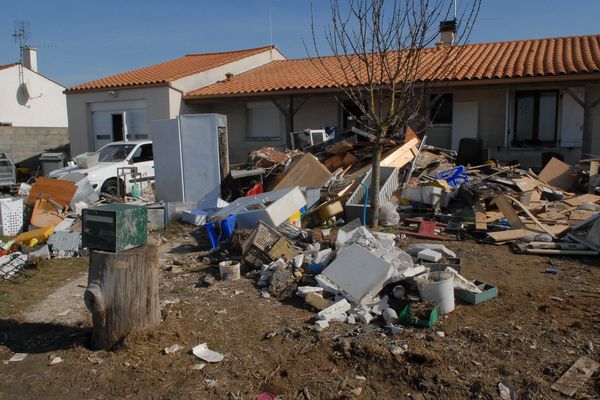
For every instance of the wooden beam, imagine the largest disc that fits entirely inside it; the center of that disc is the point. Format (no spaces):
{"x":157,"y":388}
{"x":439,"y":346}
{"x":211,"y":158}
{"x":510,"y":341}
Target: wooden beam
{"x":574,"y":97}
{"x":587,"y":117}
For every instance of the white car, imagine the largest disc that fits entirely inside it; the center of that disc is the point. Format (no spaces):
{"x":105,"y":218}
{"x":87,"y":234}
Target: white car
{"x":103,"y":176}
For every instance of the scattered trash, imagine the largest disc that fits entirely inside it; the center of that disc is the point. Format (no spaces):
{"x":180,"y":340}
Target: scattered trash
{"x":18,"y":357}
{"x":575,"y":376}
{"x":172,"y":349}
{"x":204,"y":353}
{"x":55,"y":360}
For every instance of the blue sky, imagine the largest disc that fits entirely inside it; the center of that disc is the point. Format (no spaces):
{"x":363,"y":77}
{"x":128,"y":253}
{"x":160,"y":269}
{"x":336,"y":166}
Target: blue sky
{"x":82,"y":40}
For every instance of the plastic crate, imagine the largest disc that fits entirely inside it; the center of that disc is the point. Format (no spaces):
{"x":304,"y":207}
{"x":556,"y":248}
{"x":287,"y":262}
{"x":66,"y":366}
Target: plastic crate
{"x":219,"y":231}
{"x":11,"y":215}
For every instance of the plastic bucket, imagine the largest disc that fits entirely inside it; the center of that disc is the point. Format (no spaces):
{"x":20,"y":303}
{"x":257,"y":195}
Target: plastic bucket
{"x":229,"y":270}
{"x":439,"y":288}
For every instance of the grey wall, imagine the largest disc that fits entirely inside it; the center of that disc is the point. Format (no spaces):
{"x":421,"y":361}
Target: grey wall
{"x":24,"y":145}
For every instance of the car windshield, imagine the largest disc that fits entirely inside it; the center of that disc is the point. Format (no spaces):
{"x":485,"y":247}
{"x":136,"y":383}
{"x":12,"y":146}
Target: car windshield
{"x":115,"y":152}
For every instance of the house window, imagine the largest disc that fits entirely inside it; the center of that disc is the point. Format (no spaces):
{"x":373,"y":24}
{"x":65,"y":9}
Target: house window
{"x":440,"y":111}
{"x":263,"y":120}
{"x":535,"y":117}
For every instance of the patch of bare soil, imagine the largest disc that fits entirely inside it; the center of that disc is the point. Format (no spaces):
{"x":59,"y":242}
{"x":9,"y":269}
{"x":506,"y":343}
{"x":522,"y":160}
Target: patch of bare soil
{"x":529,"y":336}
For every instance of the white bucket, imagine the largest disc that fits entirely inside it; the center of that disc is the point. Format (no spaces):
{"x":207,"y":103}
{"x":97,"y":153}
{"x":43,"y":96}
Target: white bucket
{"x":439,"y":288}
{"x":229,"y":270}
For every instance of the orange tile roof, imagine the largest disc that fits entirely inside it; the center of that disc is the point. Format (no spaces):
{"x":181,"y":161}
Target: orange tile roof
{"x":168,"y":71}
{"x":476,"y":62}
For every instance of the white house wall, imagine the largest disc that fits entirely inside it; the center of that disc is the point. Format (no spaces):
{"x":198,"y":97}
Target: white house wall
{"x":213,"y":75}
{"x":46,"y":106}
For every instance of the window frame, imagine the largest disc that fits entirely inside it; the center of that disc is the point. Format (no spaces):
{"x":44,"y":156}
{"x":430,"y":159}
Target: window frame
{"x":442,"y":99}
{"x":253,"y":105}
{"x":534,"y":140}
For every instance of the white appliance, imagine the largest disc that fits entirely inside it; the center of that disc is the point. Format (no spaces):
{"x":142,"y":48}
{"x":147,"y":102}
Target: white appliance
{"x":186,"y":157}
{"x":308,"y":137}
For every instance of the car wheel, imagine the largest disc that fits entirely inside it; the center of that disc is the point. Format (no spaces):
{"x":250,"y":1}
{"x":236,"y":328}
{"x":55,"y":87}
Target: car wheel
{"x":111,"y":187}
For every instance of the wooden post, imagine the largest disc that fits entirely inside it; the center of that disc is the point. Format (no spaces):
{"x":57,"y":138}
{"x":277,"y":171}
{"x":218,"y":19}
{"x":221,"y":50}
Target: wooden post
{"x":122,"y":293}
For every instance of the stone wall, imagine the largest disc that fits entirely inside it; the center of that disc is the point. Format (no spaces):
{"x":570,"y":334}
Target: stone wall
{"x":25,"y":145}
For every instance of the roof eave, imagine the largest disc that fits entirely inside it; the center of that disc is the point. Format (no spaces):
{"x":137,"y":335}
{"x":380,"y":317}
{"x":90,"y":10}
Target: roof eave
{"x":121,"y":87}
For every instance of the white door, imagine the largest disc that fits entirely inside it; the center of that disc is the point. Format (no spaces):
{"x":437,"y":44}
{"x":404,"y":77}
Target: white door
{"x":465,"y":121}
{"x":136,"y":125}
{"x":102,"y":127}
{"x":571,"y":127}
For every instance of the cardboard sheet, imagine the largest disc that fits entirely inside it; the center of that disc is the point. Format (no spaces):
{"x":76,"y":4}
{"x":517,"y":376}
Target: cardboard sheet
{"x":558,"y":174}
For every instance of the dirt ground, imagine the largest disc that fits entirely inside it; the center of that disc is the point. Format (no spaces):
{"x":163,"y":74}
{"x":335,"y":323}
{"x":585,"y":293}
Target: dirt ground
{"x":536,"y":328}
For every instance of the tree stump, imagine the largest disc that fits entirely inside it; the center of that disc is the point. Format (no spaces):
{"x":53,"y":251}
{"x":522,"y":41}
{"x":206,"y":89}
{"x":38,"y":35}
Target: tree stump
{"x":122,"y":293}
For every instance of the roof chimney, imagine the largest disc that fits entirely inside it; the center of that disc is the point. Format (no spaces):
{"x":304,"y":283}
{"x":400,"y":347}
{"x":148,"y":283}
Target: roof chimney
{"x":228,"y":76}
{"x":447,"y":32}
{"x":30,"y":58}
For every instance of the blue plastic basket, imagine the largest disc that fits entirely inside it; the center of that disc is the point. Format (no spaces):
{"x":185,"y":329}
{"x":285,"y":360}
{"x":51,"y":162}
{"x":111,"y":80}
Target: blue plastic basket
{"x":219,"y":231}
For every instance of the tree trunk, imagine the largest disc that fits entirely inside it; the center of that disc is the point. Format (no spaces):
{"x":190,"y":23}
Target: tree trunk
{"x":122,"y":293}
{"x":375,"y":180}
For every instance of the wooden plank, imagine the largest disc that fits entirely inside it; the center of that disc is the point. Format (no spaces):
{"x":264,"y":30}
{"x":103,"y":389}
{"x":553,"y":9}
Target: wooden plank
{"x":531,"y":216}
{"x":401,"y":155}
{"x":580,"y":215}
{"x":307,"y":171}
{"x":491,"y":216}
{"x":526,"y":184}
{"x":61,"y":191}
{"x":558,"y":174}
{"x":507,"y":236}
{"x":584,"y":198}
{"x":506,"y":209}
{"x":576,"y":376}
{"x":480,"y":223}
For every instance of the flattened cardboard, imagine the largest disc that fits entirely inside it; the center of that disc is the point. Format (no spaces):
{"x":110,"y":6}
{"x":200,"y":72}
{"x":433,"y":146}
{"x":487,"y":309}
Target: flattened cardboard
{"x":307,"y":171}
{"x":558,"y":174}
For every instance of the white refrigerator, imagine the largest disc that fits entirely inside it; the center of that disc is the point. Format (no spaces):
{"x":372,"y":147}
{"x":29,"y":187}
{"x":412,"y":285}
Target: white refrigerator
{"x":186,"y":157}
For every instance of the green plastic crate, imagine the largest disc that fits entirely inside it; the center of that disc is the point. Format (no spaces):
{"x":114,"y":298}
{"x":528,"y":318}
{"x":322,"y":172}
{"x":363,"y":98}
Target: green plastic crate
{"x":114,"y":227}
{"x":407,"y":317}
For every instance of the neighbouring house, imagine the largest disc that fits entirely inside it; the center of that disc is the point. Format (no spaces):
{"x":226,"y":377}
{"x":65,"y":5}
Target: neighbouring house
{"x":520,"y":98}
{"x":122,"y":106}
{"x":33,"y":111}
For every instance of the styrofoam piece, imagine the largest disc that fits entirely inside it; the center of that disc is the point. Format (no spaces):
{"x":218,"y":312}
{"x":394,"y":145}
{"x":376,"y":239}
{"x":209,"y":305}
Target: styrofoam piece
{"x":272,"y":208}
{"x":303,"y":290}
{"x":430,"y":195}
{"x":358,"y":273}
{"x":64,"y":224}
{"x":204,"y":353}
{"x":322,"y":324}
{"x":194,"y":217}
{"x":326,"y":284}
{"x":85,"y":191}
{"x":43,"y":253}
{"x":364,"y":316}
{"x":334,"y":310}
{"x":429,"y":255}
{"x":440,"y":248}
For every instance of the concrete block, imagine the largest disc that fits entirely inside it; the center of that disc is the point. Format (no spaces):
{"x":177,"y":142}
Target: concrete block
{"x":429,"y":255}
{"x":334,"y":310}
{"x":358,"y":273}
{"x":322,"y":324}
{"x":304,"y":290}
{"x":414,"y":249}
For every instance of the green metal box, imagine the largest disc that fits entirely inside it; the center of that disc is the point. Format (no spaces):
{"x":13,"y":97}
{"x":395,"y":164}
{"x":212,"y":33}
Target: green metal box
{"x":114,"y":227}
{"x":489,"y":291}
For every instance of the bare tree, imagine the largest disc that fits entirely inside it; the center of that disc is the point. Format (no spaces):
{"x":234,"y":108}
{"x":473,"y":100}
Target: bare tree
{"x":384,"y":56}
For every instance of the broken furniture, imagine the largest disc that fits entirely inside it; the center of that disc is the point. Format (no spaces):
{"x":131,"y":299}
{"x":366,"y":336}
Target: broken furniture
{"x":114,"y":227}
{"x":357,"y":202}
{"x":239,"y":182}
{"x":265,"y":245}
{"x":8,"y":174}
{"x":187,"y":157}
{"x":304,"y":171}
{"x":271,"y":207}
{"x":122,"y":294}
